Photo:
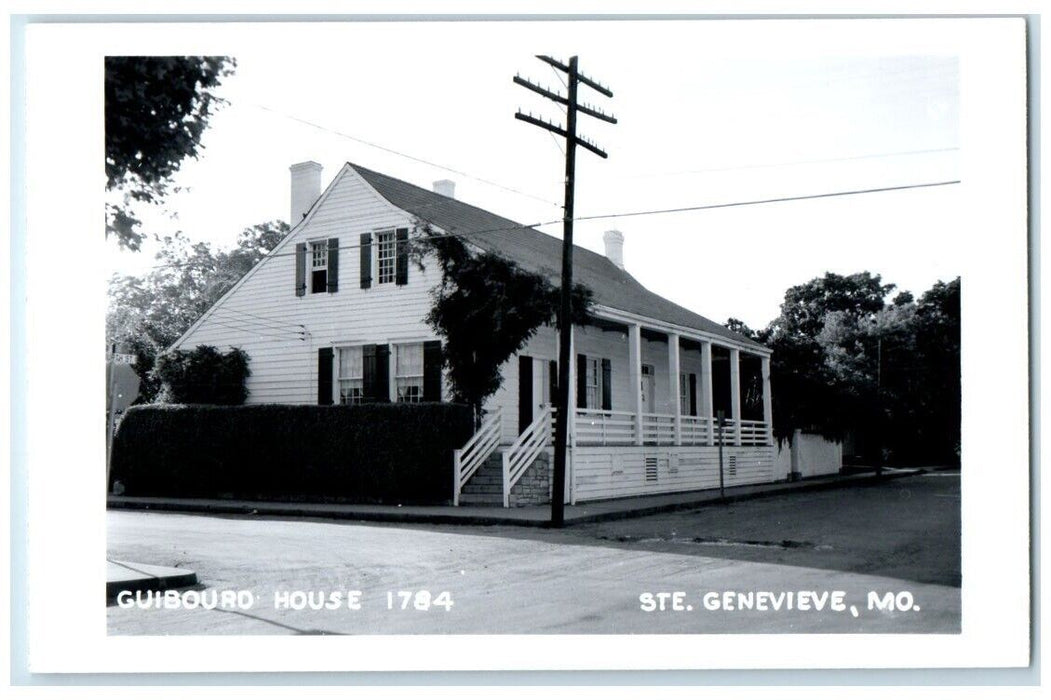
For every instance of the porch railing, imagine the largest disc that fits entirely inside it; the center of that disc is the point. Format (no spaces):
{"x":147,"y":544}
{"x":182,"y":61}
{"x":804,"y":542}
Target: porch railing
{"x":698,"y":430}
{"x":471,"y":456}
{"x":596,"y":427}
{"x":658,"y":429}
{"x":524,"y":451}
{"x":754,"y":432}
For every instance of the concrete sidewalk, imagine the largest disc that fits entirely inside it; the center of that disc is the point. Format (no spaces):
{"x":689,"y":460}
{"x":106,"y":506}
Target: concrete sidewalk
{"x":130,"y":576}
{"x":529,"y":516}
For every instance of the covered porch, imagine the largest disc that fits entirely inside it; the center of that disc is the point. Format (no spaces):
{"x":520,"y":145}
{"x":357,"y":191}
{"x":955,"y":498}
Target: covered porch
{"x":647,"y":397}
{"x":643,"y":383}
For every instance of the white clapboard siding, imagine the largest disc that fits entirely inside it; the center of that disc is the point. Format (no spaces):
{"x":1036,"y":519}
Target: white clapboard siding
{"x":264,"y":317}
{"x":614,"y":472}
{"x":543,"y":345}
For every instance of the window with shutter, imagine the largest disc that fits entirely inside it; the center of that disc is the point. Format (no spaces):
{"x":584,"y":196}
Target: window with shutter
{"x":324,"y":376}
{"x":351,"y":375}
{"x":365,"y":255}
{"x":386,"y":257}
{"x":401,"y":274}
{"x":301,"y":269}
{"x":333,"y":265}
{"x":432,"y":370}
{"x":408,"y":372}
{"x":318,"y":267}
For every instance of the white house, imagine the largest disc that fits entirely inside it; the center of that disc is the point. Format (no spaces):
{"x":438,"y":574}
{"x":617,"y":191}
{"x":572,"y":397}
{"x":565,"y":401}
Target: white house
{"x":335,"y":314}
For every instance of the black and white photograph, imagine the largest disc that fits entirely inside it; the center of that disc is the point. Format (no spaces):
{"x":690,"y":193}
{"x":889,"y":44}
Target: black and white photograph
{"x":507,"y":335}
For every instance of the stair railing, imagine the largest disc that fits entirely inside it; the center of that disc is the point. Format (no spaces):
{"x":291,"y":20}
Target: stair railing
{"x":472,"y":455}
{"x":524,"y":451}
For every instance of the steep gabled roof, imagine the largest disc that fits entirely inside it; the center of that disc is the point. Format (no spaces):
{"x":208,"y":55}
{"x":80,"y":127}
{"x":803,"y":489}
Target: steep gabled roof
{"x":538,"y":252}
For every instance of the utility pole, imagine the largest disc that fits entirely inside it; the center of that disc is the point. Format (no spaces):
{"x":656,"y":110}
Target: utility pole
{"x":565,"y":317}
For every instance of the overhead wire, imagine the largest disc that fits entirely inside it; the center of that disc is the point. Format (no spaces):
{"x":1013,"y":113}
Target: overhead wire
{"x":453,"y":233}
{"x":403,"y":155}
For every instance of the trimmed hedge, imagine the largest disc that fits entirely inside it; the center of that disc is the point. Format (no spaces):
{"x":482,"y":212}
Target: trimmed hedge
{"x":375,"y":453}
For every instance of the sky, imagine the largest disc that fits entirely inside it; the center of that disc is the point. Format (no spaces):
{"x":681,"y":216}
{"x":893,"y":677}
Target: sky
{"x":709,"y":113}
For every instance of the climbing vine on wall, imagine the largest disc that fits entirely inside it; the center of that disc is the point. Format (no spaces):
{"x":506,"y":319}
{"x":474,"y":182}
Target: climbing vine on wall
{"x":486,"y":308}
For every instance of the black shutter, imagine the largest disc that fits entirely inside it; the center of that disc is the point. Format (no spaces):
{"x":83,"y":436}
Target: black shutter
{"x":401,"y":271}
{"x":607,"y":385}
{"x":301,"y":269}
{"x":582,"y":381}
{"x":365,"y":252}
{"x":333,"y":265}
{"x":693,"y":394}
{"x":525,"y":392}
{"x":324,"y":376}
{"x":432,"y":370}
{"x":368,"y":373}
{"x":382,"y":373}
{"x":552,"y":381}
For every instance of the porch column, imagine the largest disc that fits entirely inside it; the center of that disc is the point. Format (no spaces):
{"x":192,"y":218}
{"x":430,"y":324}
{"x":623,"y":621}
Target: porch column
{"x":676,"y":388}
{"x":768,"y":406}
{"x":707,"y":409}
{"x":635,"y":374}
{"x":735,"y":392}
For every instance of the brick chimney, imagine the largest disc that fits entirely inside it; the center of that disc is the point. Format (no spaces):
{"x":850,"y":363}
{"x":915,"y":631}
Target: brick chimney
{"x":306,"y":188}
{"x":614,"y":241}
{"x":446,"y":188}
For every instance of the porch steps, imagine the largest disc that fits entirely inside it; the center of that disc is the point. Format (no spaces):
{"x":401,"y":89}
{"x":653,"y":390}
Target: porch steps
{"x":486,"y":487}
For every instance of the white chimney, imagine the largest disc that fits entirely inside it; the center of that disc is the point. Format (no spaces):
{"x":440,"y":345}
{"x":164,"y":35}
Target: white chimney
{"x":614,"y":241}
{"x":306,"y":188}
{"x":446,"y":188}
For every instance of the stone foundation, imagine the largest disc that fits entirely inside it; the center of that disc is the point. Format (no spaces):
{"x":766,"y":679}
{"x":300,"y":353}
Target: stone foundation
{"x":534,"y":488}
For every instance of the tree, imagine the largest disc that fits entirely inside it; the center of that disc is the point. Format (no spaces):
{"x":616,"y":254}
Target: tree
{"x":205,"y":376}
{"x":804,"y":308}
{"x":846,"y":361}
{"x":812,"y":392}
{"x":157,"y":107}
{"x":486,"y":308}
{"x":147,"y":314}
{"x":936,"y":338}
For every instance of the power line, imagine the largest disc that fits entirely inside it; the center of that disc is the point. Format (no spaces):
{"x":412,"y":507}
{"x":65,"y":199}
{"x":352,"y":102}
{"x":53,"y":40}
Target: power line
{"x":769,"y":201}
{"x":253,"y":331}
{"x":453,"y":233}
{"x":270,"y":324}
{"x":754,"y":166}
{"x":404,"y":155}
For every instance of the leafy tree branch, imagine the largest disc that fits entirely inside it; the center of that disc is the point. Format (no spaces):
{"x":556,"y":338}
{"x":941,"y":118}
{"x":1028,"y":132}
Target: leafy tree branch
{"x":486,"y":308}
{"x":157,"y":108}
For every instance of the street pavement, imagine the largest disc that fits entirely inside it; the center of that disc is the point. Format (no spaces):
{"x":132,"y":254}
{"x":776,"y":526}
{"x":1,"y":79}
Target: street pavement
{"x":844,"y":549}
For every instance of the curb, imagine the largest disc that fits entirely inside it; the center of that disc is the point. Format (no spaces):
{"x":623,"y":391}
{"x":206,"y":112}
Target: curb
{"x":775,"y":490}
{"x":347,"y":512}
{"x":267,"y":508}
{"x":162,"y":579}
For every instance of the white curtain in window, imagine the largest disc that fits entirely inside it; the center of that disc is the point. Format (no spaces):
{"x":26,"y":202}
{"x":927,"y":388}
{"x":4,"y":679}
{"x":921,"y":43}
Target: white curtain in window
{"x":350,"y":362}
{"x":410,"y":360}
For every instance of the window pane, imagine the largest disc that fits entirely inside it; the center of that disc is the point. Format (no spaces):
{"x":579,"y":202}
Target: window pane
{"x":408,"y":372}
{"x":409,"y":392}
{"x":410,"y":360}
{"x":350,"y":362}
{"x":386,"y":254}
{"x":319,"y":255}
{"x":592,"y":381}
